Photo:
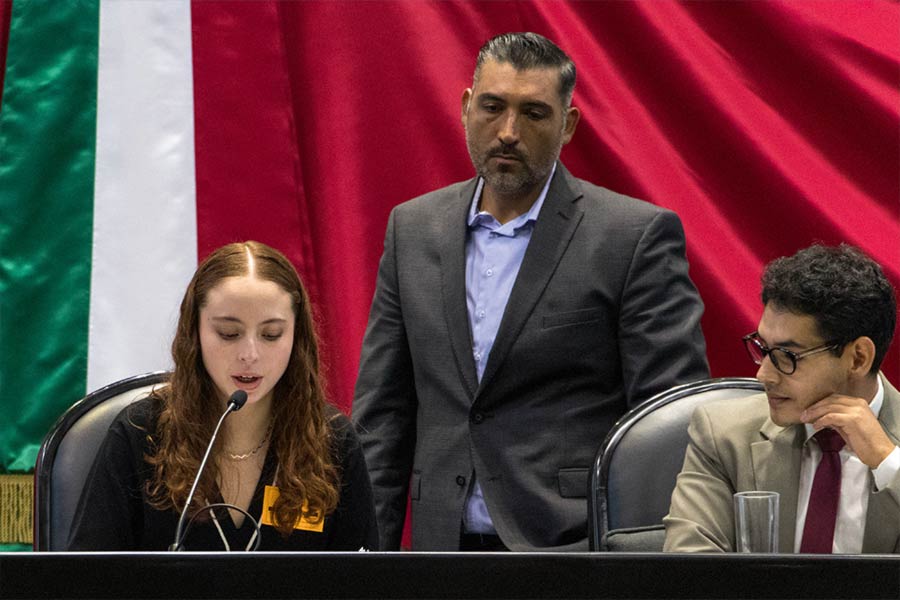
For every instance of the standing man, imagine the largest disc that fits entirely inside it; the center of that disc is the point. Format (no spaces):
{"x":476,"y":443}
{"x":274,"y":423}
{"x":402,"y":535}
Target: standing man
{"x":516,"y":316}
{"x":825,"y":433}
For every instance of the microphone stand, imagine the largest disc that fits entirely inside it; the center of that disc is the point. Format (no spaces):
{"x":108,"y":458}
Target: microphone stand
{"x":235,"y":402}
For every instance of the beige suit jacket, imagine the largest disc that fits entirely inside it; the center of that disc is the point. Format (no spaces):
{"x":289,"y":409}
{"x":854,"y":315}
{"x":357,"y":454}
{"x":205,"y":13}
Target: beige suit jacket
{"x":734,"y":446}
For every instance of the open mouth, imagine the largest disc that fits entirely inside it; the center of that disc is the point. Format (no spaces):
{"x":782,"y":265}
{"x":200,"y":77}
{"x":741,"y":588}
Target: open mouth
{"x":246,"y":379}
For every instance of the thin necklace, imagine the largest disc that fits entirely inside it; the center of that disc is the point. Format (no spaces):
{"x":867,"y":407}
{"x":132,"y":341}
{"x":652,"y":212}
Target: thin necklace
{"x":246,"y":455}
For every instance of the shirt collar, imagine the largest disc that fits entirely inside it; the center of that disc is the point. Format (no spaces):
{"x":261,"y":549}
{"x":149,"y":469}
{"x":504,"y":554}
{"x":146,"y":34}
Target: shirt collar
{"x":476,"y":217}
{"x":875,"y":404}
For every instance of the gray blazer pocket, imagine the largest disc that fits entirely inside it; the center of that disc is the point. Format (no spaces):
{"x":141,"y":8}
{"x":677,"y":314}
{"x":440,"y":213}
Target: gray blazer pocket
{"x":574,"y":317}
{"x":573,"y":482}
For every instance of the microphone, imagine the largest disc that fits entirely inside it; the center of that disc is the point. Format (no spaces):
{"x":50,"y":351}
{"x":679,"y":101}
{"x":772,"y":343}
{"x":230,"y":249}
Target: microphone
{"x":235,"y":402}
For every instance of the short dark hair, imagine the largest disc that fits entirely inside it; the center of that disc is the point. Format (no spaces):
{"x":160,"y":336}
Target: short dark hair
{"x":530,"y":51}
{"x":845,"y":291}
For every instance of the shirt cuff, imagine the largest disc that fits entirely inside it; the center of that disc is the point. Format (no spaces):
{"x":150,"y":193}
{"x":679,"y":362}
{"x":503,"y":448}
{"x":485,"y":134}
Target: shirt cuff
{"x":887,"y":470}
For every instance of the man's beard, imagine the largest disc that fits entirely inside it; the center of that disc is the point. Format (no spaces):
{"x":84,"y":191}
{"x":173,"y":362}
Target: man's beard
{"x":515,"y":182}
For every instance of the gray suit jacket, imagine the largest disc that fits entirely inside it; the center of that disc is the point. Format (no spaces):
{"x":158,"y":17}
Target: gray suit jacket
{"x":602,"y":316}
{"x":734,"y":446}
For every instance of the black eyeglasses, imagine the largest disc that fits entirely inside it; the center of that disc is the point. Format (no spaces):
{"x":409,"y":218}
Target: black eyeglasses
{"x":782,"y":359}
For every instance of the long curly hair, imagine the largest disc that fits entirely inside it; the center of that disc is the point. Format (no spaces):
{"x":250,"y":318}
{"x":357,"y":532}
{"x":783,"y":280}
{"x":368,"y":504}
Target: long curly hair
{"x":189,"y":407}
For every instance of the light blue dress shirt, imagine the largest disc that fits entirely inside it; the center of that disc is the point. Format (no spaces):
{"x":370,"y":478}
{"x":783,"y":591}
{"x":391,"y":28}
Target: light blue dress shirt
{"x":494,"y":254}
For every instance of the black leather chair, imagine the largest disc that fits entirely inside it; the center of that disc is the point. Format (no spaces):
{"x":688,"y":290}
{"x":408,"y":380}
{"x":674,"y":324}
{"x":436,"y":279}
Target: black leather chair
{"x":68,"y":451}
{"x":634,"y":471}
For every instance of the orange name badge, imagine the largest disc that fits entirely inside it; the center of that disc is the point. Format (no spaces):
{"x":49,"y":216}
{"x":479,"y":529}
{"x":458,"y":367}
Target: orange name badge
{"x":305,"y":523}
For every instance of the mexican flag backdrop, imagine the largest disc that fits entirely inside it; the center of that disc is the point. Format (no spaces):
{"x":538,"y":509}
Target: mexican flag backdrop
{"x":138,"y":135}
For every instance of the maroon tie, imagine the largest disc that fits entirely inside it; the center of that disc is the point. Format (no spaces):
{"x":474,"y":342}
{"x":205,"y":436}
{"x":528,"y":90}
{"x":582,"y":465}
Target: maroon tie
{"x":821,"y":513}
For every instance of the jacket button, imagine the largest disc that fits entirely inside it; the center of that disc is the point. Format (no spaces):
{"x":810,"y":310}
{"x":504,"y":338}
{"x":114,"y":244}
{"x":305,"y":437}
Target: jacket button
{"x":478,"y":418}
{"x":460,"y":480}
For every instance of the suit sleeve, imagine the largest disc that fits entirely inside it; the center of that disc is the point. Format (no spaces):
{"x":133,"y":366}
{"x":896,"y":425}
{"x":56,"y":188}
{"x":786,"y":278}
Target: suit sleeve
{"x":355,"y":526}
{"x":384,"y":403}
{"x":701,"y":515}
{"x":661,"y":343}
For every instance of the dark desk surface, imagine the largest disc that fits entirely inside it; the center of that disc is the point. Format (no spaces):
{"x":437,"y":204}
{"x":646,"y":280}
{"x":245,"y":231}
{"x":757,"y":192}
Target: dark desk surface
{"x":439,"y":575}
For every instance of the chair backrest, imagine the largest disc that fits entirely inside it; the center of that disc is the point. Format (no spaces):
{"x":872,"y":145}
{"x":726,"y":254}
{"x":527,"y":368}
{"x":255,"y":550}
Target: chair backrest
{"x":68,"y":451}
{"x":634,"y":471}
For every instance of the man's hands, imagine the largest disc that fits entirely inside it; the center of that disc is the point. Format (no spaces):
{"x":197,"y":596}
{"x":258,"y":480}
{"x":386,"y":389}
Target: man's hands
{"x":855,"y":421}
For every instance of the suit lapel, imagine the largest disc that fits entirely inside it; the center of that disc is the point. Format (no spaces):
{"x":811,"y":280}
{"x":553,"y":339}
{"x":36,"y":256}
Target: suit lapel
{"x":882,"y":526}
{"x":553,"y":230}
{"x":453,"y":283}
{"x":776,"y":468}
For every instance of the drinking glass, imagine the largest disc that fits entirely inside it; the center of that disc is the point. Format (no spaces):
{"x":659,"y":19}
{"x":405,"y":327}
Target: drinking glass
{"x":756,"y":521}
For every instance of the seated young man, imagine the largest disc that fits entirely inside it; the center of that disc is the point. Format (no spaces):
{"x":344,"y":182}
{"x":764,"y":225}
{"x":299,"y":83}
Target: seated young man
{"x":825,"y":433}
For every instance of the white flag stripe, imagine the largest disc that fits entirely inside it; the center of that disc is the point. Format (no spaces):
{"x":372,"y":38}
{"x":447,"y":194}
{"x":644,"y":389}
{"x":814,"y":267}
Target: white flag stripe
{"x":145,"y":217}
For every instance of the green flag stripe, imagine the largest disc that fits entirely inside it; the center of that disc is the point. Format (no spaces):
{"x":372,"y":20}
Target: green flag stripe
{"x":47,"y":144}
